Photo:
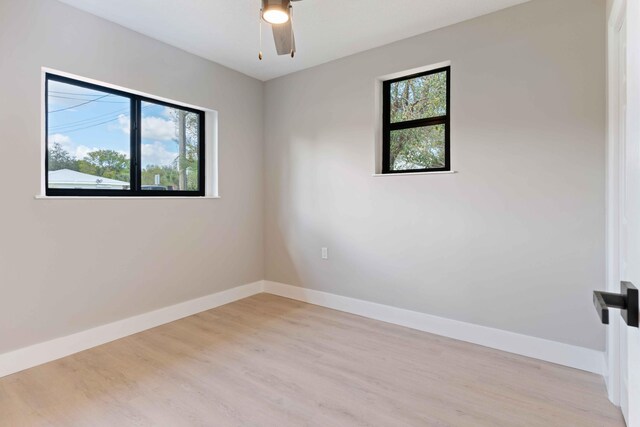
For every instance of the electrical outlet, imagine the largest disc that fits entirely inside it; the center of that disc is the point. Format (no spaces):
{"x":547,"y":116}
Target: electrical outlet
{"x":325,"y":253}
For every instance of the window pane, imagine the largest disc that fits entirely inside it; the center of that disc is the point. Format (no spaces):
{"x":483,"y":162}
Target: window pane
{"x":419,"y":98}
{"x":170,"y":144}
{"x":418,"y":148}
{"x":88,"y":138}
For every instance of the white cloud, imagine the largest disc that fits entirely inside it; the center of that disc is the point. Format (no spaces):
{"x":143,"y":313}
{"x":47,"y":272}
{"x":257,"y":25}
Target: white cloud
{"x":67,"y":144}
{"x":59,"y":138}
{"x":157,"y":154}
{"x":168,"y":112}
{"x":155,"y":128}
{"x":158,"y":129}
{"x":125,"y":123}
{"x":77,"y":151}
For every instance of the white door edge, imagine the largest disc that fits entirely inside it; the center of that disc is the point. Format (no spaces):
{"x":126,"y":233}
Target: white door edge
{"x":615,"y":22}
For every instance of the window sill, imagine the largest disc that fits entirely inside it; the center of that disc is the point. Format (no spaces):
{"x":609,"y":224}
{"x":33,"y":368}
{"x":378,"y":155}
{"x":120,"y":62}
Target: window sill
{"x":413,"y":173}
{"x":41,"y":197}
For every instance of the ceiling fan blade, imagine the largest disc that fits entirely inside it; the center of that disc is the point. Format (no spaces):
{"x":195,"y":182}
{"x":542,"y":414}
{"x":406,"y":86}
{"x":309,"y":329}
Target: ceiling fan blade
{"x":284,"y":38}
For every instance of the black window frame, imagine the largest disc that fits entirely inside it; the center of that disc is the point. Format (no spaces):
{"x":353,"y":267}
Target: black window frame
{"x":135,"y":169}
{"x":388,"y":127}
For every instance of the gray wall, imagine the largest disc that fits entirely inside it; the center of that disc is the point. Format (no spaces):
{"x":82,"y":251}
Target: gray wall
{"x":68,"y":265}
{"x":515,"y":240}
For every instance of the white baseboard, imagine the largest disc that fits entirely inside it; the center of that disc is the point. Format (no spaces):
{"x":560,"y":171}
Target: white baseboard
{"x":48,"y":351}
{"x":537,"y":348}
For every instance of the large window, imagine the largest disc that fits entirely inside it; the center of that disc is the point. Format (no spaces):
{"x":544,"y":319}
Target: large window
{"x":416,"y":123}
{"x":105,"y":142}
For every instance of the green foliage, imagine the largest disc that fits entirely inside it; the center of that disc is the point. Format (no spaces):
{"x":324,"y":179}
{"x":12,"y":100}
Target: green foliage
{"x":418,"y":148}
{"x":418,"y":98}
{"x":107,"y":164}
{"x":59,"y":158}
{"x":168,"y":176}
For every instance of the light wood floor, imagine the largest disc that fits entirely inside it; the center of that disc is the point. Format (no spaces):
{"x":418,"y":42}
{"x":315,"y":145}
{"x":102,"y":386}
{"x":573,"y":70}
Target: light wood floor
{"x":270,"y":361}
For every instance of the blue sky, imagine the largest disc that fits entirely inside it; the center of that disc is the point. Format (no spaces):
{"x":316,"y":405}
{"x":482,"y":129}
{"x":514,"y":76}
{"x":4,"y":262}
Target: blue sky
{"x":84,"y":120}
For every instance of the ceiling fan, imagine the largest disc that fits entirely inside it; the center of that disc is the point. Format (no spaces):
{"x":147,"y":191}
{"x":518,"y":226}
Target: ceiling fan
{"x":279,"y":13}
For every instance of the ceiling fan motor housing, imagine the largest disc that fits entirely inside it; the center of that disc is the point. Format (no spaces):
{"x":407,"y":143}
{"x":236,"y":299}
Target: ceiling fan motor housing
{"x":278,"y":14}
{"x":276,"y":4}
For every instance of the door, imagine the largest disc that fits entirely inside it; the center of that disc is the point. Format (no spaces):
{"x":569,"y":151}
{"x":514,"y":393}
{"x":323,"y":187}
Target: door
{"x":626,"y":209}
{"x":624,"y":33}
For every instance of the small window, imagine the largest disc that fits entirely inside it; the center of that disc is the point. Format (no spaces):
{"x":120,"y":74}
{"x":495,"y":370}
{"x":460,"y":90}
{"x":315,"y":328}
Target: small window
{"x":416,"y":123}
{"x":105,"y":142}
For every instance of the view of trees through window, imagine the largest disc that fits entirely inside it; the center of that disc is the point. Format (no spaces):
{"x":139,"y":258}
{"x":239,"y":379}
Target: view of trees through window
{"x":418,"y":148}
{"x":89,"y":134}
{"x":175,"y":166}
{"x":417,"y":123}
{"x":85,"y":137}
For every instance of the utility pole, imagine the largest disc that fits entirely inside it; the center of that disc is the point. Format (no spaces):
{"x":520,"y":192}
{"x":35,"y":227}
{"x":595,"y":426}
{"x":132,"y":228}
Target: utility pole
{"x":182,"y":150}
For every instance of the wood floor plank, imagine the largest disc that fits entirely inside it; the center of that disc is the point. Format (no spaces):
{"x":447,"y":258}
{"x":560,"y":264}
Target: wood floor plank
{"x":270,"y":361}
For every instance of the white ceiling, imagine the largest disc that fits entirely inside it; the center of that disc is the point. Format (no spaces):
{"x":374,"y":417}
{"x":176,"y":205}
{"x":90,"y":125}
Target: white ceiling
{"x":226,"y":31}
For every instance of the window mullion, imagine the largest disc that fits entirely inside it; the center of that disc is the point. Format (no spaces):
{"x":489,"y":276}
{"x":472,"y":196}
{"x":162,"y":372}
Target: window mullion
{"x":431,"y":121}
{"x":136,"y":144}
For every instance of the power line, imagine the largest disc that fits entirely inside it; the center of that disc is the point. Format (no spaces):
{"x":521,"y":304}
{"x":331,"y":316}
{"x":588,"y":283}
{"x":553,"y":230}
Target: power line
{"x":117,"y":113}
{"x":75,"y":93}
{"x":78,"y":105}
{"x":95,"y":124}
{"x":90,"y":126}
{"x":89,"y":120}
{"x":84,"y":99}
